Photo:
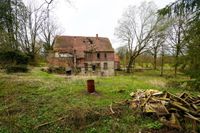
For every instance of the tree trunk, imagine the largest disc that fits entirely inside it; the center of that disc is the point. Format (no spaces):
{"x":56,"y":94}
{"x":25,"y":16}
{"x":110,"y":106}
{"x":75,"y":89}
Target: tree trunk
{"x":155,"y":61}
{"x":175,"y":66}
{"x":9,"y":24}
{"x":130,"y":63}
{"x":178,"y":49}
{"x":162,"y":62}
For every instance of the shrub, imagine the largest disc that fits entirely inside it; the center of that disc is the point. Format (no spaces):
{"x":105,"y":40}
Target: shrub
{"x":194,"y":84}
{"x":16,"y":68}
{"x":9,"y":58}
{"x":173,"y":83}
{"x":14,"y":61}
{"x":59,"y":70}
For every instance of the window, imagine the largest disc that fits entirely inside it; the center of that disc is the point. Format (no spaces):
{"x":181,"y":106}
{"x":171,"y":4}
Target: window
{"x":88,"y":55}
{"x":105,"y":66}
{"x":98,"y":66}
{"x":105,"y":55}
{"x":98,"y":55}
{"x":93,"y":68}
{"x":86,"y":67}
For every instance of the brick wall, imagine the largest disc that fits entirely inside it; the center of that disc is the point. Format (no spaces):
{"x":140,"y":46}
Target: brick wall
{"x":99,"y":56}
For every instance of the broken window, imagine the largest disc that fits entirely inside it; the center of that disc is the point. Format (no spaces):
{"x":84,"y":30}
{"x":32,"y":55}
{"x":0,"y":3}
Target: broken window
{"x":86,"y":67}
{"x":98,"y":66}
{"x":105,"y":66}
{"x":105,"y":55}
{"x":98,"y":55}
{"x":93,"y":68}
{"x":88,"y":55}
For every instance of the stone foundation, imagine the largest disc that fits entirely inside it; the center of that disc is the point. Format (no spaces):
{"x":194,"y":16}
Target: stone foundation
{"x":101,"y":70}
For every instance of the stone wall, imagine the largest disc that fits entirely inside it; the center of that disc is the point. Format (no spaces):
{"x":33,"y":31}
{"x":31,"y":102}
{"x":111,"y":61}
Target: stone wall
{"x":101,"y":70}
{"x":99,"y":56}
{"x":102,"y":65}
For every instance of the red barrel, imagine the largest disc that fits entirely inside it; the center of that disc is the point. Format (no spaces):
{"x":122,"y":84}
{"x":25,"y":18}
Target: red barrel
{"x":90,"y":86}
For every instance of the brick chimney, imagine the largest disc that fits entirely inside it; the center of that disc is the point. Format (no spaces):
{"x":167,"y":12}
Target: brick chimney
{"x":97,"y":36}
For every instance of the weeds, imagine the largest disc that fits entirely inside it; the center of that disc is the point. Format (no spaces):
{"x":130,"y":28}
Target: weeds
{"x":34,"y":98}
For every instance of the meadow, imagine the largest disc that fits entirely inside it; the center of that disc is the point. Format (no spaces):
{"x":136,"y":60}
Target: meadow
{"x":40,"y":102}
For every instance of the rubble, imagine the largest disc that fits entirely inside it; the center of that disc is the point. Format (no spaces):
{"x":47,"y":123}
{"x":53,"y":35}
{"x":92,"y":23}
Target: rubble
{"x":180,"y":112}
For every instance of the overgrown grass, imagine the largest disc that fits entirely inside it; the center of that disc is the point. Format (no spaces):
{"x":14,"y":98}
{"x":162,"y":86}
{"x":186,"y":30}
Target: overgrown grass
{"x":28,"y":100}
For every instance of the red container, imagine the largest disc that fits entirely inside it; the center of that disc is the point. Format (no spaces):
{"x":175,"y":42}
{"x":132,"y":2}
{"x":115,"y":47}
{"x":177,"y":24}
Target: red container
{"x":90,"y":86}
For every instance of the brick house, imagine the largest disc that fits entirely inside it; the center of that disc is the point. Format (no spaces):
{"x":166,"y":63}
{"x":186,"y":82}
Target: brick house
{"x":83,"y":54}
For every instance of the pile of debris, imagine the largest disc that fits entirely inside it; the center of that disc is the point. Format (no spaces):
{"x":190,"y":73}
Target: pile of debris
{"x":180,"y":112}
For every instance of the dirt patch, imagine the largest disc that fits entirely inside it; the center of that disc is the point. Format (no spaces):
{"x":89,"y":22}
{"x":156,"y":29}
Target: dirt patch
{"x":95,"y":94}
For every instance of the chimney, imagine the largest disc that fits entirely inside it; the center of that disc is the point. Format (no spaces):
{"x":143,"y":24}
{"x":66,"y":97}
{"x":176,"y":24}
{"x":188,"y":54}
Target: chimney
{"x":97,"y":36}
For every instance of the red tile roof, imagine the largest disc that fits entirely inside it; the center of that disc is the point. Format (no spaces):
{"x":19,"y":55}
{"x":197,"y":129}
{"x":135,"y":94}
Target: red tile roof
{"x":80,"y":44}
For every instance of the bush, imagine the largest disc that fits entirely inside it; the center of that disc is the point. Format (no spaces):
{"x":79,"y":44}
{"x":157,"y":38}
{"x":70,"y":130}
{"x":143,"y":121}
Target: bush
{"x":194,"y":84}
{"x":173,"y":84}
{"x":16,"y":68}
{"x":12,"y":58}
{"x":14,"y":61}
{"x":59,"y":70}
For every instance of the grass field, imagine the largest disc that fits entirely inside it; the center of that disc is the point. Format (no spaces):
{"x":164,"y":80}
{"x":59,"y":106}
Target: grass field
{"x":41,"y":102}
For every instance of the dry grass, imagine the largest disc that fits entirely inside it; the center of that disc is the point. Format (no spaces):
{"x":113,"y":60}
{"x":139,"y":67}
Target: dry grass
{"x":157,"y":83}
{"x":34,"y":98}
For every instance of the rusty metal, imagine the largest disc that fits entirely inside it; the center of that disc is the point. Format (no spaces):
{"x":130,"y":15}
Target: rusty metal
{"x":90,"y":86}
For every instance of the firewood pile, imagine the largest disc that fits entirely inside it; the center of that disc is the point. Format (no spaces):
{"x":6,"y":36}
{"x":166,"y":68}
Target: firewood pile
{"x":175,"y":111}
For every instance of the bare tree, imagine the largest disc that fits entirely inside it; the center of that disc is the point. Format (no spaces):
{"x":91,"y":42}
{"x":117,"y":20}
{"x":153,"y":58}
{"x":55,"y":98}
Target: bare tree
{"x":122,"y":53}
{"x":175,"y":34}
{"x":37,"y":29}
{"x":136,"y":29}
{"x":157,"y":40}
{"x":49,"y":30}
{"x":31,"y":23}
{"x":154,"y":49}
{"x":162,"y":59}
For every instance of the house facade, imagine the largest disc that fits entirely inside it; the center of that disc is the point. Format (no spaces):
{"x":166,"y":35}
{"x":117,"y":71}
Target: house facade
{"x":83,"y":54}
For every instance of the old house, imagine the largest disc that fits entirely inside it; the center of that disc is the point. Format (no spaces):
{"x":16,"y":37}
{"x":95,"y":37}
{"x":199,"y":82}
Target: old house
{"x":83,"y":54}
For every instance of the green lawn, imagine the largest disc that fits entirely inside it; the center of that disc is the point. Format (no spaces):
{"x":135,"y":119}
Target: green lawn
{"x":41,"y":102}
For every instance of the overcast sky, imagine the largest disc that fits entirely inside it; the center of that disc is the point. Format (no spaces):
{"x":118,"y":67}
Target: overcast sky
{"x":91,"y":17}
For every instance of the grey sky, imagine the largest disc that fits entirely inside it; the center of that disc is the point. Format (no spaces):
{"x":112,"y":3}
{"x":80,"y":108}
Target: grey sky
{"x":89,"y":17}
